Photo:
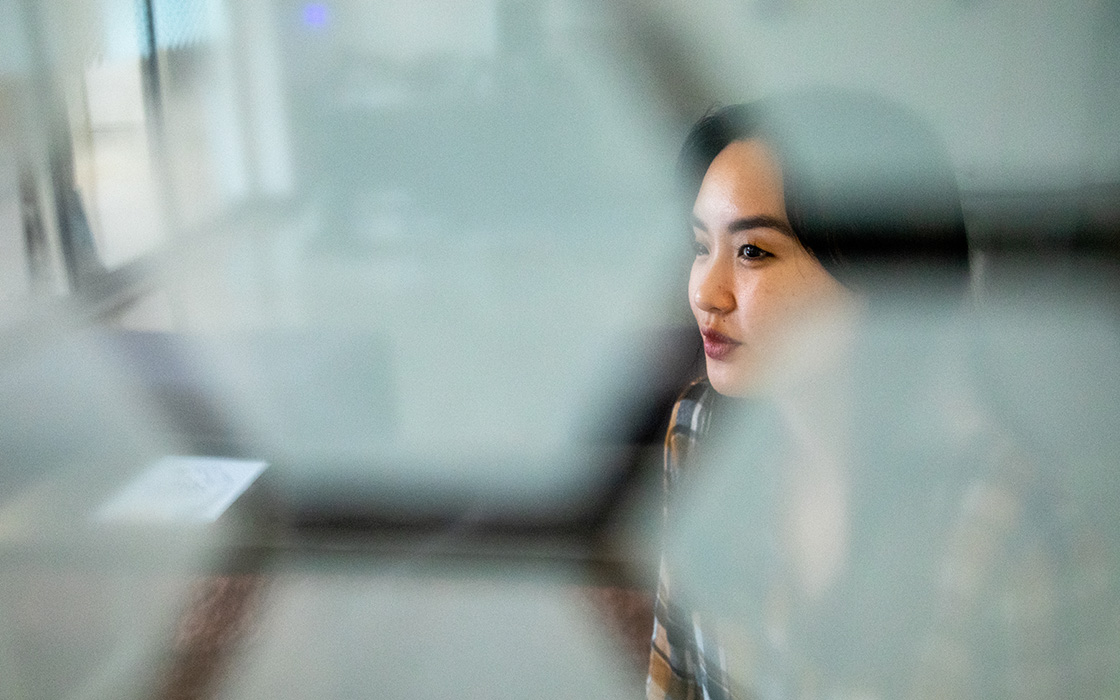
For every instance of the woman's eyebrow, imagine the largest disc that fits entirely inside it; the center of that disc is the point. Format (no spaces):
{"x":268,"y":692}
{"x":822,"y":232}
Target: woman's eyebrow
{"x":750,"y":222}
{"x":762,"y":221}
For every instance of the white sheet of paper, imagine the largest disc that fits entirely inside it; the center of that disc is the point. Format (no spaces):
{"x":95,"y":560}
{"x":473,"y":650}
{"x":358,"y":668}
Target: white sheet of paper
{"x":182,"y":489}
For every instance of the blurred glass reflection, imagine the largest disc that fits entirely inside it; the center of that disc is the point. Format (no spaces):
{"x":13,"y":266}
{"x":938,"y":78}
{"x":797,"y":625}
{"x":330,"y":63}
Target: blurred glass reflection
{"x":85,"y":601}
{"x":917,"y":511}
{"x":424,"y":258}
{"x":432,"y":632}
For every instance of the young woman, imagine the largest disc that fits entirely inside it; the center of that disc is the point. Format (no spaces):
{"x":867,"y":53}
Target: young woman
{"x":806,"y":209}
{"x":874,"y":519}
{"x":805,"y":204}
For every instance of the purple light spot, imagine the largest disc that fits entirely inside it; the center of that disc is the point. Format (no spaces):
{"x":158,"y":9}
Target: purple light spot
{"x":316,"y":15}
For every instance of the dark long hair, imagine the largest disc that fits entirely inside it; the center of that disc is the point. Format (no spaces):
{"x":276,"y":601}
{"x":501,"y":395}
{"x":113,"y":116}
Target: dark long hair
{"x":869,"y":187}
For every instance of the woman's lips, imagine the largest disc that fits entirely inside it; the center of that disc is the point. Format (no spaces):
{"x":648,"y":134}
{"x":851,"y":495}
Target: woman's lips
{"x":717,"y":345}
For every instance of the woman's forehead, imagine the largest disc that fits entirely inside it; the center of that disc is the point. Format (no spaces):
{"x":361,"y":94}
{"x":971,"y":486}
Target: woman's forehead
{"x":744,"y":181}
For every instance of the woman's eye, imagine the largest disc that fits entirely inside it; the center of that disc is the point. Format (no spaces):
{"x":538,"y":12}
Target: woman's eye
{"x":752,"y":252}
{"x":699,"y":248}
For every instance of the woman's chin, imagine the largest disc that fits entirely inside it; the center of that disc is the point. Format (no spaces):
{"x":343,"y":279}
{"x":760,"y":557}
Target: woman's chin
{"x":728,"y":379}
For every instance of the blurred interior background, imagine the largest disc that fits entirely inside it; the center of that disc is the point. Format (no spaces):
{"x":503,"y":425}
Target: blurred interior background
{"x":424,"y":260}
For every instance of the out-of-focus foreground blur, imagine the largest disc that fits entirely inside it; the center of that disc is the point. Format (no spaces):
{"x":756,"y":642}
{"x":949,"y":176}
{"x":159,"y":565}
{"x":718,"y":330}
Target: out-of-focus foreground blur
{"x":337,"y":338}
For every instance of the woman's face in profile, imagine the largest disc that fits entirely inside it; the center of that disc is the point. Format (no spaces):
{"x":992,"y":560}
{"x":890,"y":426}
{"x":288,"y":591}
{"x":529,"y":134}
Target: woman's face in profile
{"x":751,"y":278}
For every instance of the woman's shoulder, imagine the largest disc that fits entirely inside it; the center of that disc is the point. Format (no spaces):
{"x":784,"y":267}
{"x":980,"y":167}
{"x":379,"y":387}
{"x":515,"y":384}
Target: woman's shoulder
{"x":693,"y":407}
{"x":688,"y":424}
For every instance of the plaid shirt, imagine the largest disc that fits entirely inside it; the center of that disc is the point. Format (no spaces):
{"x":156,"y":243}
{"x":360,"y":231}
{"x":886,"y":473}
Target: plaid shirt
{"x":1021,"y":603}
{"x":677,"y":670}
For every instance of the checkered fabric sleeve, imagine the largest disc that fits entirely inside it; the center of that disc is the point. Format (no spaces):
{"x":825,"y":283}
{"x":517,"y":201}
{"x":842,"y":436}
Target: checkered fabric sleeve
{"x":673,"y":655}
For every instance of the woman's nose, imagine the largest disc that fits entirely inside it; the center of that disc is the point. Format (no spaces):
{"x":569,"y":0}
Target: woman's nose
{"x":714,"y":291}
